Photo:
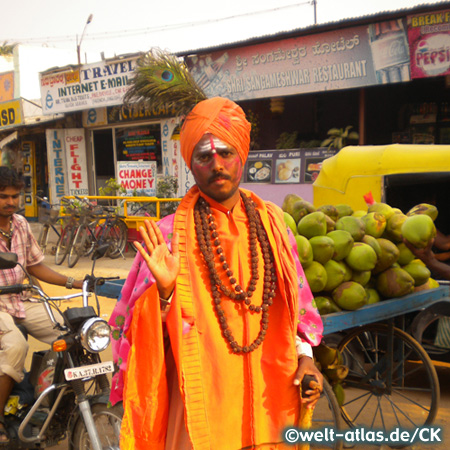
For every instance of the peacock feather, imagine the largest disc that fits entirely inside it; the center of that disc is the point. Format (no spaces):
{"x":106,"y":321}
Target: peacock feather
{"x":161,"y":80}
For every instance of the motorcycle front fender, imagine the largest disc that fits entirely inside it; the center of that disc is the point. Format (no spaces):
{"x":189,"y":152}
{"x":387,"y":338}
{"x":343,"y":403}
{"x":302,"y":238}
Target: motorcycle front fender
{"x":101,"y":398}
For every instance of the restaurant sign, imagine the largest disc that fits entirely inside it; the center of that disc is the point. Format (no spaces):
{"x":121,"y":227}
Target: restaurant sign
{"x":341,"y":59}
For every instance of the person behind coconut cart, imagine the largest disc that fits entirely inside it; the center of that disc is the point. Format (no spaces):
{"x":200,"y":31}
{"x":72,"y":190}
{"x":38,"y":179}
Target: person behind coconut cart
{"x":214,"y":327}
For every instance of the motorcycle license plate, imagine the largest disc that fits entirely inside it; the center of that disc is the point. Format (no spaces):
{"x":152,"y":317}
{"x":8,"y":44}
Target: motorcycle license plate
{"x":93,"y":370}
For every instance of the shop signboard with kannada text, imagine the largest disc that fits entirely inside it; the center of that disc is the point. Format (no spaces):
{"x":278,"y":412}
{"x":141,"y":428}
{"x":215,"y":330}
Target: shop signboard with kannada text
{"x":341,"y":59}
{"x":429,"y":44}
{"x":295,"y":166}
{"x":89,"y":86}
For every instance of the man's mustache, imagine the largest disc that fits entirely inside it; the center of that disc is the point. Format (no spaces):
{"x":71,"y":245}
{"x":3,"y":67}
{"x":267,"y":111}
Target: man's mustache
{"x":219,"y":176}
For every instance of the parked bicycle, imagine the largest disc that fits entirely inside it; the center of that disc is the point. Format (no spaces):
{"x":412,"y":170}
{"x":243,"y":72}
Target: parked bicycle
{"x":96,"y":226}
{"x":49,"y":216}
{"x":70,"y":222}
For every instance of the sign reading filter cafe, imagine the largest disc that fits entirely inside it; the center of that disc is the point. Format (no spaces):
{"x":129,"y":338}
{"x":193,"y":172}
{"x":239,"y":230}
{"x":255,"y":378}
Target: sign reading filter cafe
{"x":88,"y":86}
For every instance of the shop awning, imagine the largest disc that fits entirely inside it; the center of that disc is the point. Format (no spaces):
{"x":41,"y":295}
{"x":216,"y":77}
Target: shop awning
{"x":8,"y":139}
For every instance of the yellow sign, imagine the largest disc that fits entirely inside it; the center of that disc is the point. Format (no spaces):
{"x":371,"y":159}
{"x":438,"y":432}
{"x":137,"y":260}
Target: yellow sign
{"x":11,"y":113}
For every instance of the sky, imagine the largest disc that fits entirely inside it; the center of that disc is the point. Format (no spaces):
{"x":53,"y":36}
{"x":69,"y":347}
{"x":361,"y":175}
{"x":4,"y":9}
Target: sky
{"x":130,"y":26}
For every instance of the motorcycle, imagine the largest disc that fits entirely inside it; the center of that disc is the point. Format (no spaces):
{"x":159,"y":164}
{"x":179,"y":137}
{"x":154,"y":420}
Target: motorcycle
{"x":66,"y":392}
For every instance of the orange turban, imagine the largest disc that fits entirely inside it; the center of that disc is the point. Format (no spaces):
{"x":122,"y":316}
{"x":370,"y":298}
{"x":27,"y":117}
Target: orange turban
{"x":221,"y":117}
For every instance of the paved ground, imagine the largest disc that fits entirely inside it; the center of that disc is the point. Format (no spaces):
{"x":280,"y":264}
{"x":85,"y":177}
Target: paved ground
{"x":120,"y":267}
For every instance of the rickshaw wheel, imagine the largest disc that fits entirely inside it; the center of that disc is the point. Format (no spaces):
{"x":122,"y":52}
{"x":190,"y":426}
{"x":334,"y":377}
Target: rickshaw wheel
{"x":383,"y":393}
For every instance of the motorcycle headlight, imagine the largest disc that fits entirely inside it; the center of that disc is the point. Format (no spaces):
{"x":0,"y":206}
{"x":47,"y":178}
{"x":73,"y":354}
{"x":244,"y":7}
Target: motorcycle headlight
{"x":95,"y":335}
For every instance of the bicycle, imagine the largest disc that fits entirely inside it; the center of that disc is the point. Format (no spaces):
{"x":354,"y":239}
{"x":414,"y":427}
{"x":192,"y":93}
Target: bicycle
{"x":89,"y":217}
{"x":49,"y":216}
{"x":66,"y":237}
{"x":108,"y":228}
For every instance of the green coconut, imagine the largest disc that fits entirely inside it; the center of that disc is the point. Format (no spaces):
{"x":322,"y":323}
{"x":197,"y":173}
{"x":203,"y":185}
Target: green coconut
{"x":361,"y":277}
{"x":288,"y":202}
{"x":326,"y":305}
{"x":420,"y":273}
{"x":350,"y":296}
{"x":372,"y":295}
{"x":343,"y":243}
{"x":393,"y":229}
{"x":290,"y":222}
{"x":382,"y":208}
{"x":375,"y":223}
{"x":330,"y":211}
{"x":389,"y":255}
{"x":322,"y":247}
{"x":353,"y":225}
{"x":373,"y":242}
{"x":316,"y":276}
{"x":419,"y":230}
{"x":361,"y":257}
{"x":335,"y":275}
{"x":394,"y":282}
{"x":301,"y":208}
{"x":405,"y":255}
{"x":344,"y":210}
{"x":424,"y":208}
{"x":313,"y":224}
{"x":304,"y":250}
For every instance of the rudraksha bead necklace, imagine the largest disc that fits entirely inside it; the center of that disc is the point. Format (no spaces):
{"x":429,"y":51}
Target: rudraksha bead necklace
{"x":207,"y":236}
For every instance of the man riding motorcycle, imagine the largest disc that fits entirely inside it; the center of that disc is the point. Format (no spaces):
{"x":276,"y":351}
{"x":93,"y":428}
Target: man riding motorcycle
{"x":15,"y":309}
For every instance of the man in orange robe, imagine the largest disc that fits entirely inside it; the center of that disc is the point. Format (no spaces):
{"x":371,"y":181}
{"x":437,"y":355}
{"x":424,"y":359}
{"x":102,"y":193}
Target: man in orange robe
{"x":188,"y":384}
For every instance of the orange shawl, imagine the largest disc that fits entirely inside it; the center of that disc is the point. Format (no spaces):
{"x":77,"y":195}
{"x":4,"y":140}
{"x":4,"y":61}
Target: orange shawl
{"x":231,"y":401}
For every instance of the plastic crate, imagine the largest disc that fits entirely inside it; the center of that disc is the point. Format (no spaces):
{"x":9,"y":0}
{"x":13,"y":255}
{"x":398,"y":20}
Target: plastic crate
{"x":47,"y":215}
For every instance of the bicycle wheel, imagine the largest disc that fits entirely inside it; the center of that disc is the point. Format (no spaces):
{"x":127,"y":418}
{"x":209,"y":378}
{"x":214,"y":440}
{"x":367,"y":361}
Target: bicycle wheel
{"x":327,"y":414}
{"x":388,"y":385}
{"x":43,"y":237}
{"x":63,"y":245}
{"x":116,"y":236}
{"x":77,"y":247}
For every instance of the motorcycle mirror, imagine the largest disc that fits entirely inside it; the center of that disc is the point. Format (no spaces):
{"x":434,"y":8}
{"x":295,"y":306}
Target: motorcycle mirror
{"x":100,"y":251}
{"x":8,"y":260}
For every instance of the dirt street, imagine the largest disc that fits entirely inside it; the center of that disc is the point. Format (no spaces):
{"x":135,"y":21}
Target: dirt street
{"x":120,"y":267}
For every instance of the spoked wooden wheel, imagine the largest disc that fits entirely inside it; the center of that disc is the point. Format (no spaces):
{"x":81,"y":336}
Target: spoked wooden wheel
{"x":391,"y":382}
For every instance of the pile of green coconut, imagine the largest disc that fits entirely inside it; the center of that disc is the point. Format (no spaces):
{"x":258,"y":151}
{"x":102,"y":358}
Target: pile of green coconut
{"x":354,"y":258}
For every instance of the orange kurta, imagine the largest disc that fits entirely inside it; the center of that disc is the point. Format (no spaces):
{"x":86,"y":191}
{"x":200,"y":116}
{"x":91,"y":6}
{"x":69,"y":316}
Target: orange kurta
{"x":231,"y":401}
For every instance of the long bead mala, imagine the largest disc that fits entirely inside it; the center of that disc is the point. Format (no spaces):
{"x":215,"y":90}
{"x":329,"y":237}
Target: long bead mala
{"x":207,"y":236}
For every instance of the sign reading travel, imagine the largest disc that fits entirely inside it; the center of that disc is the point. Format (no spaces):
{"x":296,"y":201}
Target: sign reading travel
{"x":89,"y":86}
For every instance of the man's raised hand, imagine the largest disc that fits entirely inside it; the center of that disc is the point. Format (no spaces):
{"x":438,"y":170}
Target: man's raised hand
{"x":162,"y":263}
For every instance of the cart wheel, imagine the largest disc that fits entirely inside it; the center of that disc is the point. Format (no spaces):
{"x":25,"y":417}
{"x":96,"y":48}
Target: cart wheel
{"x":327,"y":415}
{"x":405,"y":396}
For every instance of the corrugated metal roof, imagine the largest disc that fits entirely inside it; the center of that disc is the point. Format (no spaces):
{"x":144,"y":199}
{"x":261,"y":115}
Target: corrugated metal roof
{"x":327,"y":26}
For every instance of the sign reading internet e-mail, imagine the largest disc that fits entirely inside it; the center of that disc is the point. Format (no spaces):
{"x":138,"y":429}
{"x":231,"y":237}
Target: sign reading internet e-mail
{"x":89,"y":86}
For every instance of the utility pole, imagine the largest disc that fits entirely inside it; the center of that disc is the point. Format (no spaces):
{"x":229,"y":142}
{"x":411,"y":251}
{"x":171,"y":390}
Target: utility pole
{"x":88,"y":21}
{"x":314,"y":3}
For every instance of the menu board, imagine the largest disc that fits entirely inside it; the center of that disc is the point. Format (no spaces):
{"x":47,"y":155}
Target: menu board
{"x":301,"y":166}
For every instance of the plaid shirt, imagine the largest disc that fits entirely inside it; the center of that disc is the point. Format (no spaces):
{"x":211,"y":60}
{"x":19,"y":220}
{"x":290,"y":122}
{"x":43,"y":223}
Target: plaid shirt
{"x":29,"y":253}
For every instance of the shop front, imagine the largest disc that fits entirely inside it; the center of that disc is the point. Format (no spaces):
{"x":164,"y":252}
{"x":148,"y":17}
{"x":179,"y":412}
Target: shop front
{"x":386,"y":76}
{"x":117,"y":138}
